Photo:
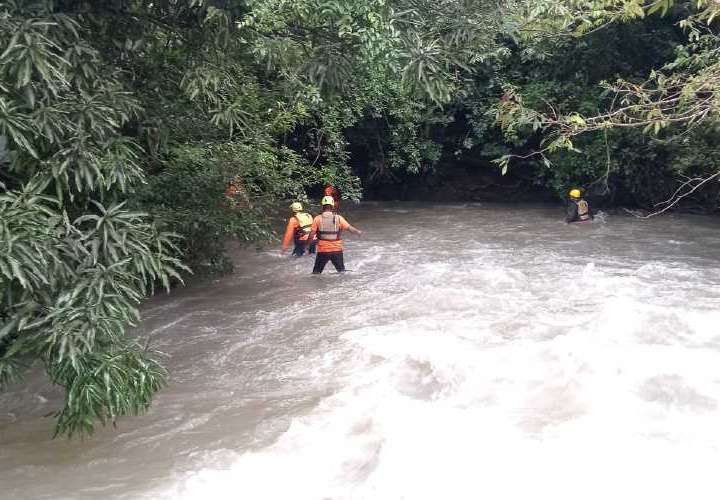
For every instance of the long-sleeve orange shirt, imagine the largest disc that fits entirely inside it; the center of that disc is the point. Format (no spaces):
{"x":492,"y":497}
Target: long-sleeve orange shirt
{"x":293,"y":226}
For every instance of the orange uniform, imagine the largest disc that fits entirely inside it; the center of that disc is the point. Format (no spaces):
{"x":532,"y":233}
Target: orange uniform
{"x":335,"y":245}
{"x":293,"y":231}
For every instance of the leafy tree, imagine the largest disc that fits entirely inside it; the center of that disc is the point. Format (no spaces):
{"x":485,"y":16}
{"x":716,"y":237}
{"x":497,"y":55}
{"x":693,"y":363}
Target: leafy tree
{"x":670,"y":102}
{"x":137,"y":136}
{"x":110,"y":111}
{"x":75,"y":262}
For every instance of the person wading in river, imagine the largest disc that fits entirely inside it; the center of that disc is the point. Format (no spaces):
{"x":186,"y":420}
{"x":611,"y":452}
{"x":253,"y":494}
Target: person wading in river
{"x":329,"y":227}
{"x":330,"y":190}
{"x":298,"y":230}
{"x":578,"y":209}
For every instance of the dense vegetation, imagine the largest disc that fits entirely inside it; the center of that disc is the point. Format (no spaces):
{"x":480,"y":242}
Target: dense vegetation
{"x":137,"y":136}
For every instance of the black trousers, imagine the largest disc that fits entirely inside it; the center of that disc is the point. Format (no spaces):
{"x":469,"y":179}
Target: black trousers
{"x":300,"y":247}
{"x":322,"y":258}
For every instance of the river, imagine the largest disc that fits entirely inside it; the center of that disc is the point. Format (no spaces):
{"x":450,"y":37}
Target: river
{"x":472,"y":351}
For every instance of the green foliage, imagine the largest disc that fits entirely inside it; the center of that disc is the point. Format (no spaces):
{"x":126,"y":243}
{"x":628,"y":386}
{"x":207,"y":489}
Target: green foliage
{"x":162,"y":105}
{"x":74,"y":261}
{"x":657,"y":100}
{"x":105,"y":384}
{"x":188,"y":196}
{"x":134,"y":134}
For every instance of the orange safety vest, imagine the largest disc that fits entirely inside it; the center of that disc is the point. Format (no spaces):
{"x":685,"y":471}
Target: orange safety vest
{"x":329,"y":227}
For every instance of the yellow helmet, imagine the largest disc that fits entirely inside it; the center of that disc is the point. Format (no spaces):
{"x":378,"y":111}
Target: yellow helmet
{"x":296,"y":206}
{"x":574,"y":193}
{"x":327,"y":200}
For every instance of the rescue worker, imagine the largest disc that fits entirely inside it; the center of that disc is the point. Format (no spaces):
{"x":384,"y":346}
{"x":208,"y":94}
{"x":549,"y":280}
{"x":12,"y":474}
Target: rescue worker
{"x":298,"y":230}
{"x":578,"y":209}
{"x":328,"y":227}
{"x":331,"y":191}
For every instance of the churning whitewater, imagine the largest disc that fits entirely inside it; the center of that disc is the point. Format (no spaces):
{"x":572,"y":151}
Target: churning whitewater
{"x":473,"y":351}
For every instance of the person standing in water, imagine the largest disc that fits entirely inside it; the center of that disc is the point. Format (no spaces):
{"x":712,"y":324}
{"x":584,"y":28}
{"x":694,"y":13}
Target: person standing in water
{"x":330,"y":190}
{"x":298,"y":230}
{"x":578,"y":209}
{"x":328,"y":227}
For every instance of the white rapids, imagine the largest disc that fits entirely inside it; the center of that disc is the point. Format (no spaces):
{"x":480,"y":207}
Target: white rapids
{"x":472,"y":351}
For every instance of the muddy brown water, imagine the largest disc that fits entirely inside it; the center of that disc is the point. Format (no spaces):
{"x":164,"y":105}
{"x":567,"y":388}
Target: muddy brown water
{"x":473,"y":351}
